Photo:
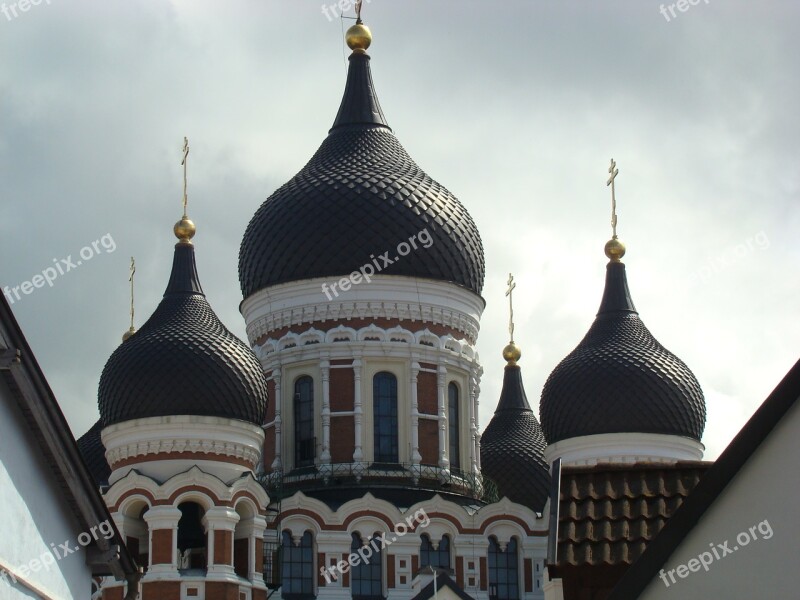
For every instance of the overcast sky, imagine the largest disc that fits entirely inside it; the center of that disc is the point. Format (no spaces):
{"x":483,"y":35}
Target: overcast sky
{"x":516,"y":107}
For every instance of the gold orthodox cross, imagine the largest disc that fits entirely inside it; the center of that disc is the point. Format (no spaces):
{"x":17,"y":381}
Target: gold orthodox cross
{"x":133,"y":272}
{"x":614,"y":172}
{"x":511,"y":286}
{"x":358,"y":10}
{"x":183,"y":163}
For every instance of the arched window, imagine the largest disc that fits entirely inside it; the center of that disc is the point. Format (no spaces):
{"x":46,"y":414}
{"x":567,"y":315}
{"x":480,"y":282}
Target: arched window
{"x":366,"y":578}
{"x":503,"y":571}
{"x":384,"y":417}
{"x":191,"y":536}
{"x":439,"y":558}
{"x":297,"y":567}
{"x":304,"y":440}
{"x":452,"y":425}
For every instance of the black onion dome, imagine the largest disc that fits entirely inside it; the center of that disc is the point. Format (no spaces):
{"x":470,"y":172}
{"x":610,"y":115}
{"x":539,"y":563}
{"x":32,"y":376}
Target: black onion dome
{"x":94,"y":454}
{"x":360,"y":195}
{"x":512,"y":447}
{"x":183,"y":361}
{"x":620,"y":379}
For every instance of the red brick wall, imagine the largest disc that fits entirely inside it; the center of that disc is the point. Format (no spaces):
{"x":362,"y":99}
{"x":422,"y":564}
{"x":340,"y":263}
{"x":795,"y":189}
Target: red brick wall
{"x":429,"y":441}
{"x":259,"y":555}
{"x":219,"y":590}
{"x":114,"y":593}
{"x":222,"y":547}
{"x":162,"y":547}
{"x":414,"y":565}
{"x":484,"y":574}
{"x":390,"y":570}
{"x":460,"y":571}
{"x":269,"y":449}
{"x":528,"y":574}
{"x":342,"y":439}
{"x":321,"y":581}
{"x":165,"y":590}
{"x":427,"y":392}
{"x":342,"y":387}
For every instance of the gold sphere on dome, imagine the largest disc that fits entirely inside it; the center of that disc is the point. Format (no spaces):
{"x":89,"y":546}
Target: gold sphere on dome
{"x":184,"y":229}
{"x":127,"y":335}
{"x":512,"y":353}
{"x":614,"y":249}
{"x":358,"y":37}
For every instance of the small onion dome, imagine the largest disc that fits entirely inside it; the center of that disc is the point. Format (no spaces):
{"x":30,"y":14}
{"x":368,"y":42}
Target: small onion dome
{"x":360,"y":195}
{"x":94,"y":454}
{"x":512,"y":445}
{"x":183,"y":361}
{"x":620,"y":379}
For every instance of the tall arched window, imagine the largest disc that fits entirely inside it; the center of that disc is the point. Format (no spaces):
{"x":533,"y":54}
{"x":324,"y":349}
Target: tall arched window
{"x":191,"y":536}
{"x":384,"y":417}
{"x":452,"y":425}
{"x":304,"y":440}
{"x":297,"y":567}
{"x":503,"y":571}
{"x":366,"y":578}
{"x":439,"y":558}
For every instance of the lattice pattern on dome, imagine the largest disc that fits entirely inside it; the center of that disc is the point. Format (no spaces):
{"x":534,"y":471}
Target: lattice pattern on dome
{"x":621,"y":379}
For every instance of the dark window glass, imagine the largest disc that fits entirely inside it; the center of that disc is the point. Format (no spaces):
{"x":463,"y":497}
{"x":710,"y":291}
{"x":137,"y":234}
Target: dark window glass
{"x":384,"y":402}
{"x":366,"y":578}
{"x":439,"y":558}
{"x":304,"y":440}
{"x":452,"y":425}
{"x":297,"y":568}
{"x":503,"y":571}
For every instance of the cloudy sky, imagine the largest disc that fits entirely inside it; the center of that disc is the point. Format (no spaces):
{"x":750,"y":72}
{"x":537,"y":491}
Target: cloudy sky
{"x":516,"y":107}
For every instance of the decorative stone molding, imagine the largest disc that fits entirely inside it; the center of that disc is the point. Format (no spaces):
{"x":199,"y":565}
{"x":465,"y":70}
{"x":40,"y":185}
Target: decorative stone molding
{"x":298,"y":303}
{"x":148,"y":437}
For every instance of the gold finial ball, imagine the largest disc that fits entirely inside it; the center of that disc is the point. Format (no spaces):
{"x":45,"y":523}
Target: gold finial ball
{"x":512,"y":353}
{"x":127,"y":335}
{"x":615,"y":249}
{"x":358,"y":37}
{"x":184,"y":229}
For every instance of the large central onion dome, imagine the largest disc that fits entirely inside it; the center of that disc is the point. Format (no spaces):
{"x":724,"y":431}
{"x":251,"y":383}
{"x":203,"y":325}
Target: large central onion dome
{"x":183,"y":361}
{"x":360,"y":195}
{"x":620,"y":379}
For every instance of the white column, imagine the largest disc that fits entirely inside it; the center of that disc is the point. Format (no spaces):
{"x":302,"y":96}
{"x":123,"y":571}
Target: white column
{"x":215,"y":521}
{"x":277,"y":464}
{"x":325,"y":368}
{"x":444,"y":462}
{"x":477,"y":392}
{"x":475,"y":448}
{"x":416,"y":458}
{"x":253,"y":529}
{"x":160,"y":518}
{"x":358,"y":412}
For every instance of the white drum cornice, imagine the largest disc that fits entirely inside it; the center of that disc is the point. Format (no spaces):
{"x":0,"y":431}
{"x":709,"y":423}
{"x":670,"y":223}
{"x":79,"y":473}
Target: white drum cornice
{"x":385,"y":297}
{"x":149,"y":437}
{"x":624,"y":448}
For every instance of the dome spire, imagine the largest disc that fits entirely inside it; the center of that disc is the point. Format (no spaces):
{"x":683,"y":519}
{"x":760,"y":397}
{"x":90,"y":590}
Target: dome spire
{"x":185,"y":228}
{"x":614,"y":249}
{"x":131,"y":330}
{"x":511,"y":353}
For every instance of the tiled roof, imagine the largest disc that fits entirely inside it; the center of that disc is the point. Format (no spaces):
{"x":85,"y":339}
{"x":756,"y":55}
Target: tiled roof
{"x":609,"y":513}
{"x":183,"y":361}
{"x":359,"y":196}
{"x":620,"y":379}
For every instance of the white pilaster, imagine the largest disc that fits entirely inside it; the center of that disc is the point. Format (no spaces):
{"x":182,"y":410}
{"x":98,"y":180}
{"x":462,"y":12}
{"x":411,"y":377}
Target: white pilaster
{"x":325,"y":369}
{"x":160,"y":518}
{"x":358,"y":411}
{"x":416,"y":458}
{"x":441,"y":382}
{"x":277,"y":463}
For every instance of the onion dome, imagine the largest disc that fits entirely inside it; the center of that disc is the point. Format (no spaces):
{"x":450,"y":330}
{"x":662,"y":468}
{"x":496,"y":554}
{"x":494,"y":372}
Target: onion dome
{"x":93,"y":452}
{"x":620,"y":379}
{"x":360,"y":196}
{"x":183,"y":361}
{"x":512,"y":445}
